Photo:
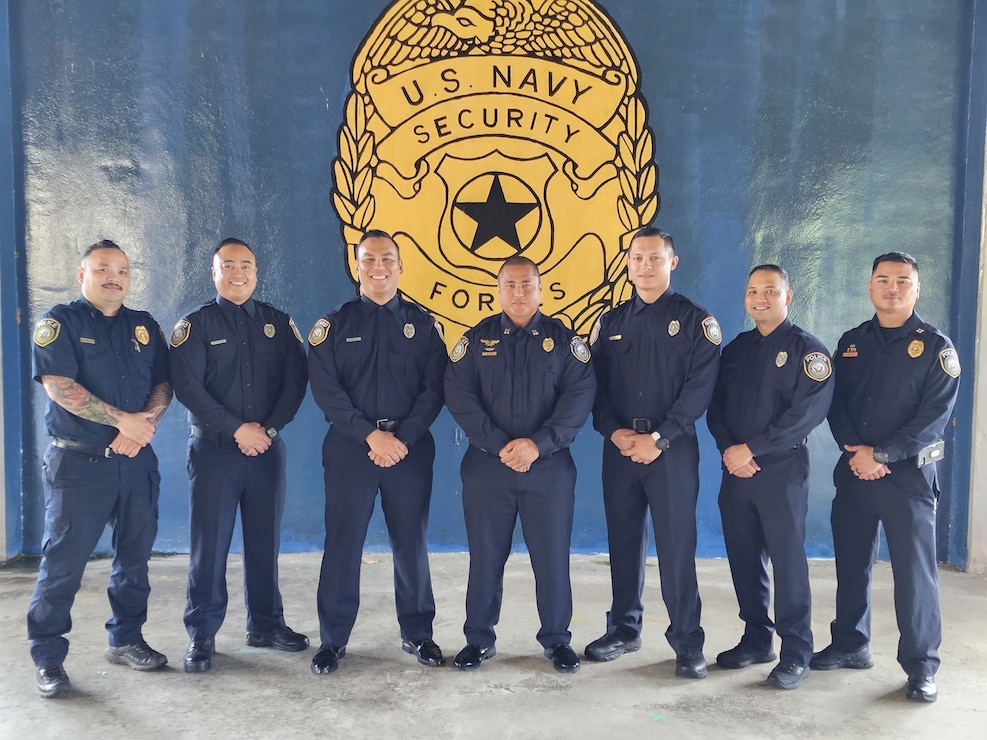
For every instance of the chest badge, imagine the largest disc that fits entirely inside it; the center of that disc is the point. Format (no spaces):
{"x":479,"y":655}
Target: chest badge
{"x":548,"y":344}
{"x":180,"y":333}
{"x":409,"y":330}
{"x":269,"y":331}
{"x":674,"y":327}
{"x":781,"y":359}
{"x":319,"y":332}
{"x":141,"y":335}
{"x":46,"y":331}
{"x":916,"y":348}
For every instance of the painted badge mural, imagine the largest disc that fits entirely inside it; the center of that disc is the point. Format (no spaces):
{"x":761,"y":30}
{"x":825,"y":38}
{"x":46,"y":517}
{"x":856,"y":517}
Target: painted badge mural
{"x":478,"y":129}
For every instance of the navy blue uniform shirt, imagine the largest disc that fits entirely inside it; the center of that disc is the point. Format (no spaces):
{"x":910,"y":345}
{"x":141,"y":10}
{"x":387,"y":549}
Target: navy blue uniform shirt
{"x":118,"y":359}
{"x":506,"y":383}
{"x":771,"y":391}
{"x":231,"y":365}
{"x":895,"y":388}
{"x":655,"y":361}
{"x":370,"y":362}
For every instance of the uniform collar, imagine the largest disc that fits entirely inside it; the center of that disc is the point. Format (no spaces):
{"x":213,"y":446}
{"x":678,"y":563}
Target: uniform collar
{"x":663,"y":299}
{"x":229,"y":307}
{"x":93,"y":311}
{"x":775,"y":337}
{"x":533,"y":328}
{"x":393,"y":305}
{"x":914,"y":322}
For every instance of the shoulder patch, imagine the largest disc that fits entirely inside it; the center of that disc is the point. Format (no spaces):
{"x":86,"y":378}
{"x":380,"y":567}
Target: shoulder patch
{"x":579,"y":349}
{"x":594,"y":335}
{"x":319,"y":332}
{"x":711,"y":328}
{"x":440,"y":331}
{"x":459,"y":351}
{"x":294,"y":329}
{"x":180,"y":333}
{"x":950,"y":362}
{"x":46,"y":331}
{"x":817,"y":366}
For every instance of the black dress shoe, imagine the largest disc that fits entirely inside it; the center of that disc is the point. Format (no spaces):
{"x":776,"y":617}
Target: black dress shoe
{"x":327,"y":659}
{"x":52,"y":681}
{"x":198,"y":657}
{"x":281,"y":639}
{"x":787,"y":675}
{"x":427,"y":651}
{"x":830,"y":659}
{"x":744,"y":655}
{"x":690,"y":664}
{"x":563,"y":658}
{"x":610,"y":647}
{"x":921,"y":688}
{"x":470,"y":657}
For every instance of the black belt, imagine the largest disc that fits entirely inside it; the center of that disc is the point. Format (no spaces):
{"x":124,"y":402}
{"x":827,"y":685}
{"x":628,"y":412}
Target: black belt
{"x":215,"y":437}
{"x":68,"y":444}
{"x":387,"y":425}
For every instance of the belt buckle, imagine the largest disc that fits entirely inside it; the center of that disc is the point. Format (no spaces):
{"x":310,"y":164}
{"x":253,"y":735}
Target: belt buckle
{"x":107,"y":453}
{"x":641,"y":425}
{"x":382,"y":422}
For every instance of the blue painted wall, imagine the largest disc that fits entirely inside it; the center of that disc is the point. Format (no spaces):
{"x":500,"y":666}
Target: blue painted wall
{"x":813,"y":133}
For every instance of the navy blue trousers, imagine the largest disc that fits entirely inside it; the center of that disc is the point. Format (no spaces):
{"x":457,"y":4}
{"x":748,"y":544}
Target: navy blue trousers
{"x":493,"y":498}
{"x":82,"y":495}
{"x":904,"y":502}
{"x":764,"y":518}
{"x":669,"y":486}
{"x":352,"y":482}
{"x":221,"y":480}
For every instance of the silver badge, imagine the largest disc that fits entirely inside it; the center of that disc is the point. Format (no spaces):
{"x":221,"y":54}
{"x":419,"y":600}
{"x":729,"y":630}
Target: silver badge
{"x":781,"y":359}
{"x":269,"y":331}
{"x":409,"y":330}
{"x":673,"y":328}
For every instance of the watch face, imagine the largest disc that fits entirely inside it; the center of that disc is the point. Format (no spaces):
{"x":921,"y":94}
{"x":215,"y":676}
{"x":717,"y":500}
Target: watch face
{"x":272,"y":432}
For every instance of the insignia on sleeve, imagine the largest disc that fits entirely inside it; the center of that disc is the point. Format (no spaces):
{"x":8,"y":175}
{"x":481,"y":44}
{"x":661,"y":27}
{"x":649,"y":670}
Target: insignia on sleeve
{"x":594,"y":335}
{"x":817,"y":366}
{"x":269,"y":331}
{"x":142,"y":335}
{"x":950,"y":362}
{"x":319,"y":332}
{"x":440,"y":331}
{"x":548,"y":344}
{"x":180,"y":333}
{"x":916,"y":348}
{"x":711,"y":329}
{"x":579,"y":349}
{"x":409,"y":330}
{"x":781,"y":359}
{"x":46,"y":331}
{"x":674,"y":326}
{"x":294,"y":329}
{"x":459,"y":351}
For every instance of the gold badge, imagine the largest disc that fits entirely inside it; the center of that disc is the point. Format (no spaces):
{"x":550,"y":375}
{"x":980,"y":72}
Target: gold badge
{"x":46,"y":331}
{"x":817,"y":366}
{"x":180,"y":333}
{"x":674,"y":327}
{"x":459,"y":351}
{"x":712,"y":330}
{"x":142,"y":335}
{"x":409,"y":330}
{"x":269,"y":331}
{"x":781,"y":359}
{"x":950,"y":362}
{"x":548,"y":344}
{"x":916,"y":348}
{"x":294,"y":329}
{"x":319,"y":332}
{"x":579,"y":349}
{"x":594,"y":335}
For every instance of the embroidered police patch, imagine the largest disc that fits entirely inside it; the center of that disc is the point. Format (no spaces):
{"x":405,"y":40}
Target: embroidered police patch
{"x":294,"y":329}
{"x":459,"y":351}
{"x":142,"y":335}
{"x":319,"y":332}
{"x":180,"y":333}
{"x":817,"y":366}
{"x":548,"y":344}
{"x":781,"y":359}
{"x":269,"y":331}
{"x":950,"y":362}
{"x":711,"y":329}
{"x":46,"y":331}
{"x":579,"y":349}
{"x":916,"y":348}
{"x":594,"y":335}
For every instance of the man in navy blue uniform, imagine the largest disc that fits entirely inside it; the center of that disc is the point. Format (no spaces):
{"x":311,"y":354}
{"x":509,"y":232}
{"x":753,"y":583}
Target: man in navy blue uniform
{"x":656,"y":361}
{"x":376,"y":364}
{"x":105,"y":370}
{"x":774,"y":387}
{"x":238,"y":366}
{"x":520,"y":385}
{"x":896,"y":383}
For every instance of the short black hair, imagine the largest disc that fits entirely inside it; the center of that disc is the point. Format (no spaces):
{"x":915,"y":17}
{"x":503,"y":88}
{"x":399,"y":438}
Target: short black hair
{"x":649,"y":231}
{"x":518,"y":260}
{"x":900,"y":257}
{"x":233,"y":240}
{"x":375,"y":234}
{"x":777,"y":269}
{"x":104,"y":244}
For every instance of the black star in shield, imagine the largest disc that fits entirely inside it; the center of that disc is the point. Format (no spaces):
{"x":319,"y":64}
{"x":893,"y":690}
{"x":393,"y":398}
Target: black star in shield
{"x":496,"y":217}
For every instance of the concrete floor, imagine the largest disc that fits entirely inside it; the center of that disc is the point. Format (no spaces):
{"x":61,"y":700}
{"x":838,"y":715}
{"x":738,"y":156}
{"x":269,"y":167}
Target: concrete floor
{"x":381,"y":692}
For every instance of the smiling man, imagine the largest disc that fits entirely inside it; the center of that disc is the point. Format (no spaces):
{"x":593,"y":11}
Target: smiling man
{"x":239,"y":368}
{"x":774,"y":387}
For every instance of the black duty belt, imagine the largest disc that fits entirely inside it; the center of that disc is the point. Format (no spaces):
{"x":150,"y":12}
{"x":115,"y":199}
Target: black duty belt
{"x":72,"y":446}
{"x":387,"y":425}
{"x":215,"y":437}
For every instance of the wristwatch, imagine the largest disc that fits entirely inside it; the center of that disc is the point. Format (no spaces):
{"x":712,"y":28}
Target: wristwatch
{"x":660,"y":442}
{"x":272,"y":432}
{"x":880,"y":456}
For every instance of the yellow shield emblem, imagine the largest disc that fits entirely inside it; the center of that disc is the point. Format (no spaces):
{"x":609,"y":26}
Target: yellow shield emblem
{"x":141,"y":334}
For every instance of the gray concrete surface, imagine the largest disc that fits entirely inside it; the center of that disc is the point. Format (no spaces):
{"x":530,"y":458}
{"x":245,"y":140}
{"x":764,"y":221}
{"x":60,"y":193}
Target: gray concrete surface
{"x":381,"y":692}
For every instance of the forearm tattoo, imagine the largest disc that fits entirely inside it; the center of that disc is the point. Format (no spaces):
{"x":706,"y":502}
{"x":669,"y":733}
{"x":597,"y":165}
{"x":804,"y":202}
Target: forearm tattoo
{"x":157,"y":402}
{"x":74,"y":398}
